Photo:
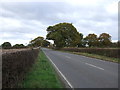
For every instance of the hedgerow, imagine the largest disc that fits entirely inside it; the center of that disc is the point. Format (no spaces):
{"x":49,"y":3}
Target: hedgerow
{"x":109,"y":52}
{"x":15,"y":65}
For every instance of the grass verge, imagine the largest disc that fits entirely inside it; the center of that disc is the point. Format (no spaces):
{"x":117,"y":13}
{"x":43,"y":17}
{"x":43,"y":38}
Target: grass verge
{"x":42,"y":75}
{"x":116,"y":60}
{"x":105,"y":58}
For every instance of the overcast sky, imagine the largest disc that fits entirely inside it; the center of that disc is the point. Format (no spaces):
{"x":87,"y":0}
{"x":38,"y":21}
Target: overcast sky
{"x":21,"y":21}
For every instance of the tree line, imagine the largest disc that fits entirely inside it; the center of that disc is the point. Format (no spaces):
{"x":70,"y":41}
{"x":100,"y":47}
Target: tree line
{"x":66,"y":35}
{"x":39,"y":41}
{"x":7,"y":45}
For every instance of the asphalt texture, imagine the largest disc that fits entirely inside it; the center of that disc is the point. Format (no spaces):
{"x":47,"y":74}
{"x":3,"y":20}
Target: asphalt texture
{"x":84,"y":72}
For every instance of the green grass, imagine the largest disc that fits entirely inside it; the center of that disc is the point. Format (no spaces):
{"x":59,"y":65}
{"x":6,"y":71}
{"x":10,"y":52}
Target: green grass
{"x":116,"y":60}
{"x":42,"y":75}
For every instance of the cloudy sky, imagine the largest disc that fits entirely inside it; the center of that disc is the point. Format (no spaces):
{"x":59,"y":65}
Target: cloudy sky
{"x":23,"y":20}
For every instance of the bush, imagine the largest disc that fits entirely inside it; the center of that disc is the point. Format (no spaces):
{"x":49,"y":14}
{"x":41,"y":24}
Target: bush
{"x":15,"y":65}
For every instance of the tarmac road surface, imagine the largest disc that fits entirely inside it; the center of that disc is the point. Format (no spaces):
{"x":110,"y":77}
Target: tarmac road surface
{"x":84,"y":72}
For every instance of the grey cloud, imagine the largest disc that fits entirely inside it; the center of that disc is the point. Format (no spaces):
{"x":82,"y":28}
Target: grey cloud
{"x":35,"y":17}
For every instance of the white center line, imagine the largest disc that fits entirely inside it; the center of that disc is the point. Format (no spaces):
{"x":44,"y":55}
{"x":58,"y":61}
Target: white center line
{"x":94,"y":66}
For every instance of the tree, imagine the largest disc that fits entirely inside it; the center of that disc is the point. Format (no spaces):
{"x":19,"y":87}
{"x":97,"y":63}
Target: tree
{"x":105,"y":39}
{"x":118,"y":43}
{"x":37,"y":41}
{"x":18,"y":46}
{"x":63,"y":35}
{"x":45,"y":43}
{"x":91,"y":40}
{"x":114,"y":44}
{"x":6,"y":45}
{"x":81,"y":43}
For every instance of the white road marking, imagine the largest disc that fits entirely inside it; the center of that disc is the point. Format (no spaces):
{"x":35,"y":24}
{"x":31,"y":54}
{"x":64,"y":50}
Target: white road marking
{"x":94,"y":66}
{"x":67,"y":57}
{"x":60,"y":72}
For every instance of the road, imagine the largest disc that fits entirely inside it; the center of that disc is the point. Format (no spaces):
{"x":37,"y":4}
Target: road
{"x":84,"y":72}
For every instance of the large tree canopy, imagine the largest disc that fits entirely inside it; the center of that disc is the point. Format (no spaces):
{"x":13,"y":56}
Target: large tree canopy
{"x":63,"y":34}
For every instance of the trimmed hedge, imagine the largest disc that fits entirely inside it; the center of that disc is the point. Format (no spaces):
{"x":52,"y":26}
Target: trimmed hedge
{"x":109,"y":52}
{"x":15,"y":65}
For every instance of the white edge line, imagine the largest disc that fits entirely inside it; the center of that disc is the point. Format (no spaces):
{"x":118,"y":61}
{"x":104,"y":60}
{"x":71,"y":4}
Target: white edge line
{"x":94,"y":66}
{"x":59,"y":71}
